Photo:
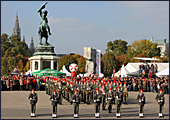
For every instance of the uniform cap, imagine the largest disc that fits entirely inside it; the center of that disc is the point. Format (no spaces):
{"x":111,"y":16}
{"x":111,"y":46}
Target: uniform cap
{"x":53,"y":90}
{"x":71,"y":83}
{"x":110,"y":88}
{"x":120,"y":82}
{"x":141,"y":89}
{"x":32,"y":90}
{"x":103,"y":84}
{"x":97,"y":89}
{"x":160,"y":89}
{"x":59,"y":81}
{"x":125,"y":83}
{"x":75,"y":89}
{"x":118,"y":87}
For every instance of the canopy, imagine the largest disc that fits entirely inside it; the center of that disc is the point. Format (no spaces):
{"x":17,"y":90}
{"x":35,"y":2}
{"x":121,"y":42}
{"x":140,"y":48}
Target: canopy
{"x":164,"y":72}
{"x":48,"y":72}
{"x":141,"y":58}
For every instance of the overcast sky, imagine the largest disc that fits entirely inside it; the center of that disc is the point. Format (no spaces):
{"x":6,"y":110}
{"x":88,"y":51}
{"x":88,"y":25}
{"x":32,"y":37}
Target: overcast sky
{"x":78,"y":24}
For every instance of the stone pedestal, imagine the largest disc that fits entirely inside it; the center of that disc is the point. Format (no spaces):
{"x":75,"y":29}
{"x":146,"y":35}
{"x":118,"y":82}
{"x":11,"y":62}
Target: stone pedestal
{"x":44,"y":57}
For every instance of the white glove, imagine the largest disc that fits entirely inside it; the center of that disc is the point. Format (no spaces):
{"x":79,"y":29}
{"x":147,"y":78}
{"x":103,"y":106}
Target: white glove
{"x":117,"y":97}
{"x":51,"y":99}
{"x":73,"y":100}
{"x":30,"y":98}
{"x":94,"y":100}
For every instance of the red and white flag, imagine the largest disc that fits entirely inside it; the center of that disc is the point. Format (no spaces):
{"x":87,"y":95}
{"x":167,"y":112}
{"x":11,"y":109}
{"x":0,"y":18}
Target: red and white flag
{"x":150,"y":73}
{"x":113,"y":73}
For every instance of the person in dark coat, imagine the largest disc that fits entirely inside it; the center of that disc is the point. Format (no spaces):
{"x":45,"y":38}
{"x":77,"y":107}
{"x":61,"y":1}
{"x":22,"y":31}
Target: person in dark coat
{"x":33,"y":101}
{"x":76,"y":101}
{"x":141,"y":101}
{"x":161,"y":101}
{"x":55,"y":100}
{"x":97,"y":101}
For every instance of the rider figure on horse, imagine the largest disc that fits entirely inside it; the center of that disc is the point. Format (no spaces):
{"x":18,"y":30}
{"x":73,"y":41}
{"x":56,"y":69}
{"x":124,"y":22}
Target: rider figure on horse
{"x":44,"y":29}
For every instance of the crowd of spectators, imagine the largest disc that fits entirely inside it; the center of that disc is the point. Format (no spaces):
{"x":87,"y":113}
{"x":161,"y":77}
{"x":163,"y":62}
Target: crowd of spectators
{"x":145,"y":68}
{"x":38,"y":83}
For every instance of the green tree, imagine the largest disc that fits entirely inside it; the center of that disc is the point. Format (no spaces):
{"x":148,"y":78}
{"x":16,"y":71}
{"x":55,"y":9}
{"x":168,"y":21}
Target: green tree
{"x":117,"y":47}
{"x":66,"y":60}
{"x":145,"y":47}
{"x":109,"y":62}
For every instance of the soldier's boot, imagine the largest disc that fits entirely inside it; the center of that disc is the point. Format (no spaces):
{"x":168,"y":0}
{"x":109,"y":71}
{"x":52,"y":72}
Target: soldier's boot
{"x":95,"y":115}
{"x":74,"y":115}
{"x":98,"y":115}
{"x":160,"y":115}
{"x":31,"y":114}
{"x":77,"y":116}
{"x":117,"y":114}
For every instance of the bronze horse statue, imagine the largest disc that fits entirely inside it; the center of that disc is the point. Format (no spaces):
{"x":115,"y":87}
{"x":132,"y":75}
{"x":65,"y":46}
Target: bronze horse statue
{"x":44,"y":29}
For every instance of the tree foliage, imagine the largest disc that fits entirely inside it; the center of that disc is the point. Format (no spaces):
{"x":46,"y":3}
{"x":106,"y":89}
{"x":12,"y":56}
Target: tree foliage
{"x":108,"y":63}
{"x":117,"y":47}
{"x":123,"y":59}
{"x":14,"y":54}
{"x":145,"y":47}
{"x":69,"y":59}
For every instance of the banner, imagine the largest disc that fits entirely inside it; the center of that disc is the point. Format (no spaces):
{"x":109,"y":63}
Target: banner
{"x":113,"y":72}
{"x":98,"y":62}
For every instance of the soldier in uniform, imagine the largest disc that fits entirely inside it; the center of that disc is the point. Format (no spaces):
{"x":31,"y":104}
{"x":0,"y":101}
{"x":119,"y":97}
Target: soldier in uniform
{"x":81,"y":92}
{"x":125,"y":94}
{"x":161,"y":101}
{"x":97,"y":101}
{"x":88,"y":92}
{"x":110,"y":99}
{"x":54,"y":98}
{"x":71,"y":92}
{"x":141,"y":101}
{"x":60,"y":89}
{"x":33,"y":100}
{"x":76,"y":101}
{"x":103,"y":97}
{"x":46,"y":85}
{"x":118,"y":96}
{"x":67,"y":89}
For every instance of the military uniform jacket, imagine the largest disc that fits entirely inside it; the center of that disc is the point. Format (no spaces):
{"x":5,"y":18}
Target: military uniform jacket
{"x":54,"y":98}
{"x":141,"y":99}
{"x":160,"y":99}
{"x":110,"y":97}
{"x":59,"y":88}
{"x":118,"y":97}
{"x":97,"y":98}
{"x":76,"y":98}
{"x":33,"y":98}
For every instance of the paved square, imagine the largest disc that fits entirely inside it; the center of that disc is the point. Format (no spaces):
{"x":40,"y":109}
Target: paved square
{"x":15,"y":105}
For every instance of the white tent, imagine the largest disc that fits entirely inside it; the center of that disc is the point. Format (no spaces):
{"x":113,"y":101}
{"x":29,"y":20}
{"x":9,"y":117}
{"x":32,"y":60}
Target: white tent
{"x":64,"y":70}
{"x":164,"y":72}
{"x":123,"y":72}
{"x":134,"y":67}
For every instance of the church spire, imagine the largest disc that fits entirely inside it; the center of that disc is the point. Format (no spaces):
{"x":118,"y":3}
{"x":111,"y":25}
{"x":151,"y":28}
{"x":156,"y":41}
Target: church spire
{"x":17,"y":30}
{"x":32,"y":46}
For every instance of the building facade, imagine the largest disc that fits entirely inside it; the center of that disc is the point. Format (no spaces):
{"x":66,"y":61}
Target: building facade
{"x":162,"y":44}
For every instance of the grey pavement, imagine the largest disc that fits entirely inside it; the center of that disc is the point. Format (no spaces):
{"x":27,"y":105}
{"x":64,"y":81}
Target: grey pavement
{"x":15,"y":105}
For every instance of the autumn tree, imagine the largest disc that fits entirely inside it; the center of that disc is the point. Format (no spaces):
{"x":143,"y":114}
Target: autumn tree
{"x":108,"y":63}
{"x":123,"y":59}
{"x":20,"y":66}
{"x":66,"y":60}
{"x":145,"y":47}
{"x":81,"y":63}
{"x":117,"y":47}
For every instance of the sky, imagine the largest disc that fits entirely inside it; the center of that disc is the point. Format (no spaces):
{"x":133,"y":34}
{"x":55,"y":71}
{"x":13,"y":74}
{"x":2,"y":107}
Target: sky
{"x":78,"y":24}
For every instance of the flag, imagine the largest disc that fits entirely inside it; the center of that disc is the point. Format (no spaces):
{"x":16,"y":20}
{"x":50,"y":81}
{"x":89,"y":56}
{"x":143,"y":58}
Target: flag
{"x":150,"y":73}
{"x":113,"y":73}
